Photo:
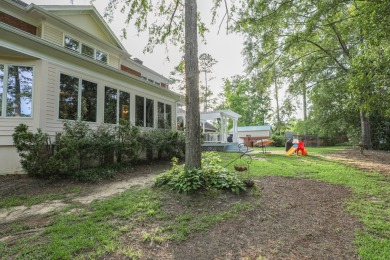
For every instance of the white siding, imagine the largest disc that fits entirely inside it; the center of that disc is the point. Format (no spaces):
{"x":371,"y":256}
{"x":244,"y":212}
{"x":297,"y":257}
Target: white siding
{"x":53,"y":35}
{"x":113,"y":61}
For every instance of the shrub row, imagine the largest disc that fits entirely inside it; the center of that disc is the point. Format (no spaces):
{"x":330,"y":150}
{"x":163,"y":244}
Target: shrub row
{"x":79,"y":147}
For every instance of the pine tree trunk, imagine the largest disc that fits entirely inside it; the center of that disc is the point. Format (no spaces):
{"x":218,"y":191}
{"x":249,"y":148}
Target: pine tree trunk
{"x":366,"y":131}
{"x":193,"y":145}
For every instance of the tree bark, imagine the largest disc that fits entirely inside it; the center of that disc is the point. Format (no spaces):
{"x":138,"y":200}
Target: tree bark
{"x":193,"y":145}
{"x":366,"y":131}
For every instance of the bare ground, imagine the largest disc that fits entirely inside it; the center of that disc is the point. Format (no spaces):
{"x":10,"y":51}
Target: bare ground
{"x":296,"y":219}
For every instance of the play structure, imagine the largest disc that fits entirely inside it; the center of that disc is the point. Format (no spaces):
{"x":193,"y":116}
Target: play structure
{"x":294,"y":146}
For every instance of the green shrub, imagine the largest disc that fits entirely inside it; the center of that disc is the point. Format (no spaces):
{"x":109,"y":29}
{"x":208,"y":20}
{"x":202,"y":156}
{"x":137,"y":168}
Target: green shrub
{"x":210,"y":176}
{"x":95,"y":174}
{"x":164,"y":142}
{"x":129,"y":144}
{"x":279,"y":140}
{"x":79,"y":147}
{"x":33,"y":149}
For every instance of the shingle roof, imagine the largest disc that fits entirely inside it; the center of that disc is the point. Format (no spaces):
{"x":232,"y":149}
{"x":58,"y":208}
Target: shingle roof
{"x":20,"y":3}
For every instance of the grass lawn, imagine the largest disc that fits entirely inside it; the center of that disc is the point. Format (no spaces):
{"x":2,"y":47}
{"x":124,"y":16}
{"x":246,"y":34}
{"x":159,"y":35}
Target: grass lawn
{"x":109,"y":227}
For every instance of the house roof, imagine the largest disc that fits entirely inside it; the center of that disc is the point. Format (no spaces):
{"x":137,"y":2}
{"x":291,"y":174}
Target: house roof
{"x":208,"y":126}
{"x":254,"y":128}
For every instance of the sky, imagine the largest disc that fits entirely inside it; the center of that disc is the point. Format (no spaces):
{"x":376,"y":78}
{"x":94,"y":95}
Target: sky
{"x":225,"y":48}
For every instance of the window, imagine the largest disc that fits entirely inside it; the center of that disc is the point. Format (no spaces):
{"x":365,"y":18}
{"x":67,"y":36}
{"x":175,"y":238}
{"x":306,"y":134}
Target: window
{"x":73,"y":103}
{"x":124,"y":105}
{"x":101,"y":56}
{"x":160,"y":115}
{"x":110,"y":105}
{"x":88,"y":101}
{"x":144,"y":112}
{"x":149,"y":113}
{"x":139,"y":111}
{"x":16,"y":84}
{"x":1,"y":88}
{"x":69,"y":87}
{"x":164,"y":119}
{"x":87,"y":51}
{"x":168,"y":116}
{"x":71,"y":44}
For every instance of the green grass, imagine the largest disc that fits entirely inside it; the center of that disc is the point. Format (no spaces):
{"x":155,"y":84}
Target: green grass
{"x":99,"y":228}
{"x":29,"y":200}
{"x":152,"y":215}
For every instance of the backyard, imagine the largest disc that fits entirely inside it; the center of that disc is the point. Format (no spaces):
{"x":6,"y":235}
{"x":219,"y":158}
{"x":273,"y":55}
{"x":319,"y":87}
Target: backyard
{"x":332,"y":204}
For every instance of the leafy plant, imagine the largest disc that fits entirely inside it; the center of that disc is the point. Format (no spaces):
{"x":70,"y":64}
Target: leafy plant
{"x":210,"y":176}
{"x":33,"y":148}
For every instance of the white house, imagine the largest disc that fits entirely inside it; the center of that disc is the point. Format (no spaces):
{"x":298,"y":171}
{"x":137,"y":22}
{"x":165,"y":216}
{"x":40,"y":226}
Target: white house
{"x":263,"y":131}
{"x":64,"y":63}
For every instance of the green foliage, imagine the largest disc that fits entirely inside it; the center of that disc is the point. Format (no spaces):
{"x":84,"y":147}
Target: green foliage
{"x":279,"y":140}
{"x":129,"y":143}
{"x":165,"y":142}
{"x":33,"y":149}
{"x":210,"y":176}
{"x":86,"y":154}
{"x":95,"y":174}
{"x":249,"y":98}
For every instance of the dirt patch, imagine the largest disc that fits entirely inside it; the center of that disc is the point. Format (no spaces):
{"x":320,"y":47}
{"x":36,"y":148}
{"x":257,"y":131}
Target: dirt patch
{"x":297,"y":219}
{"x":141,"y":175}
{"x":370,"y":160}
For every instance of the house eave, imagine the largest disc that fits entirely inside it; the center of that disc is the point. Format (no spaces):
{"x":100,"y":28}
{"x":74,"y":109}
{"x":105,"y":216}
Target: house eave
{"x":34,"y":46}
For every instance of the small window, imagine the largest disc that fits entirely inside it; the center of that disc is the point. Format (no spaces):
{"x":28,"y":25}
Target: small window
{"x":101,"y":56}
{"x":87,"y":51}
{"x":71,"y":44}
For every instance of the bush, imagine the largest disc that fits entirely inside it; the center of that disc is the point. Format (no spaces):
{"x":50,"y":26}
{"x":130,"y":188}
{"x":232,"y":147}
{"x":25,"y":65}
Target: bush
{"x":34,"y":150}
{"x":95,"y":174}
{"x":279,"y":140}
{"x":210,"y":176}
{"x":79,"y":147}
{"x":129,"y":141}
{"x":165,"y":142}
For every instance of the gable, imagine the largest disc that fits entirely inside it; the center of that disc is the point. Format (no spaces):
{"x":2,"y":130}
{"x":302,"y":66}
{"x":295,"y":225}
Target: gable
{"x":88,"y":24}
{"x":87,"y":19}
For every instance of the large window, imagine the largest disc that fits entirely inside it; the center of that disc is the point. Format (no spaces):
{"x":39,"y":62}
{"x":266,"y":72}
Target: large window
{"x":77,"y":46}
{"x":88,"y":101}
{"x":144,"y":112}
{"x":16,"y":85}
{"x":78,"y":99}
{"x":139,"y":111}
{"x":112,"y":104}
{"x":124,"y":105}
{"x":1,"y":88}
{"x":149,"y":113}
{"x":164,"y":115}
